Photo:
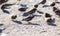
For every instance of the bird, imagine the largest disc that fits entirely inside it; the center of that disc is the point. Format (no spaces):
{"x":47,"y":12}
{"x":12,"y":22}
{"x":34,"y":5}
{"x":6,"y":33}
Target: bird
{"x":54,"y":9}
{"x":13,"y":16}
{"x":28,"y":18}
{"x":47,"y":15}
{"x":3,"y":1}
{"x":4,"y":6}
{"x":51,"y":22}
{"x":43,"y":2}
{"x":22,"y":9}
{"x":35,"y":6}
{"x":57,"y":12}
{"x":53,"y":4}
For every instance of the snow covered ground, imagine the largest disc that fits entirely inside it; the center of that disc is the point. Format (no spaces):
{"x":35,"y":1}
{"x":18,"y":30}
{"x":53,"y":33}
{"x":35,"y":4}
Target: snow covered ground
{"x":41,"y":28}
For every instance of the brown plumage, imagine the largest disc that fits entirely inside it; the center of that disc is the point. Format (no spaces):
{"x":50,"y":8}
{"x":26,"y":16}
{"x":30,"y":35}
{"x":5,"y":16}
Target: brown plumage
{"x":3,"y":1}
{"x":47,"y":15}
{"x":36,"y":5}
{"x":13,"y":16}
{"x":54,"y":9}
{"x":22,"y":9}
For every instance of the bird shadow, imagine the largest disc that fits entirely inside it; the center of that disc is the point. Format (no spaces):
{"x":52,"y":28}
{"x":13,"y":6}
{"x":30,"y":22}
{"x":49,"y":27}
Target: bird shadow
{"x":25,"y":14}
{"x":52,"y":24}
{"x":29,"y":23}
{"x":16,"y":21}
{"x":5,"y":11}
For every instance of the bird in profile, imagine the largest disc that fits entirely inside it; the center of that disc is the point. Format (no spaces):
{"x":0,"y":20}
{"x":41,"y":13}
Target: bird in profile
{"x":47,"y":15}
{"x":53,"y":4}
{"x":3,"y":1}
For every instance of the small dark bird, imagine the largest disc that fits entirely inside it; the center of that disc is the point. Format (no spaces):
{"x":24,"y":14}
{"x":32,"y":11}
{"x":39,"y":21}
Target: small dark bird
{"x":47,"y":15}
{"x":54,"y":8}
{"x":22,"y":9}
{"x":36,"y":5}
{"x":53,"y":4}
{"x":43,"y":2}
{"x":28,"y":18}
{"x":51,"y":22}
{"x":1,"y":24}
{"x":57,"y":12}
{"x":13,"y":16}
{"x":5,"y":6}
{"x":3,"y":1}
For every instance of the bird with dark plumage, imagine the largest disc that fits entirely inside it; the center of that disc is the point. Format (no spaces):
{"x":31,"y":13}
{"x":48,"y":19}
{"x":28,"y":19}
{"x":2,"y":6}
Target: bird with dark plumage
{"x":43,"y":2}
{"x":3,"y":1}
{"x":13,"y":16}
{"x":47,"y":15}
{"x":54,"y":9}
{"x":53,"y":4}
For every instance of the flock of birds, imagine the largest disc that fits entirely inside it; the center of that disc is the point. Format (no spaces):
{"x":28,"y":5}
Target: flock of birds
{"x":31,"y":12}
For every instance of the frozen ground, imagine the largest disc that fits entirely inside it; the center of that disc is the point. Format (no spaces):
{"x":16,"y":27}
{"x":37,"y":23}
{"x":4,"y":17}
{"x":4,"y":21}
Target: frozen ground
{"x":11,"y":28}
